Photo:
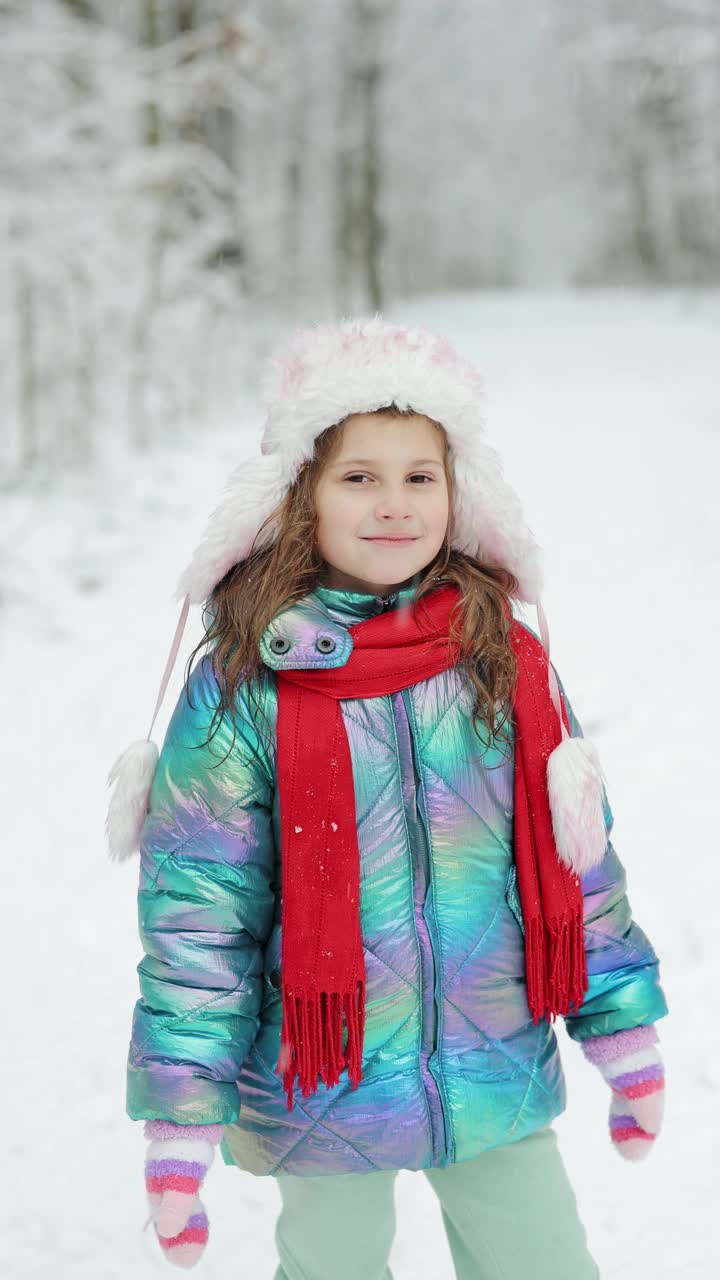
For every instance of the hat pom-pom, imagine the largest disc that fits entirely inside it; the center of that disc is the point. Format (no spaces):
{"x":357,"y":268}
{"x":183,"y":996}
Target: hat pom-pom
{"x":132,"y":773}
{"x":575,"y":786}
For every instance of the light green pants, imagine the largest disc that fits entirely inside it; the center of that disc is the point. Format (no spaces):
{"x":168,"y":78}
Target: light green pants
{"x":510,"y":1214}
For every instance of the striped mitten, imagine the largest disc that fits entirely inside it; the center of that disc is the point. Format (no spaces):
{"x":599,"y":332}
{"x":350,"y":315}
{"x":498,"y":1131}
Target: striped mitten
{"x":631,"y":1063}
{"x":177,"y":1158}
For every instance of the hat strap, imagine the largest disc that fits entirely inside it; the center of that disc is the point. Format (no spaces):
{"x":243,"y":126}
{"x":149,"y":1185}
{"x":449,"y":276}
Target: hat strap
{"x":552,"y":678}
{"x":171,"y":660}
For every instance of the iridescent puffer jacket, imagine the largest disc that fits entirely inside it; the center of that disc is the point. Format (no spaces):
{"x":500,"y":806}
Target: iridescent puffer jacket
{"x":453,"y":1063}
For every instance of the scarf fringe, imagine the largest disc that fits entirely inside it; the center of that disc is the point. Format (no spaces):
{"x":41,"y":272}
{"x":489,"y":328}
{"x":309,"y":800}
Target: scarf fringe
{"x":556,"y":966}
{"x":312,"y":1048}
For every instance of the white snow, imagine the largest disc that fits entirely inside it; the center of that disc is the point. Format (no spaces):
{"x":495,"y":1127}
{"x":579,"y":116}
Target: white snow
{"x":606,"y":409}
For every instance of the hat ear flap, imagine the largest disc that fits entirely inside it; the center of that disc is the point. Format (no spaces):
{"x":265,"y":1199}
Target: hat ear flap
{"x":132,"y":774}
{"x":252,"y":491}
{"x":487,"y":521}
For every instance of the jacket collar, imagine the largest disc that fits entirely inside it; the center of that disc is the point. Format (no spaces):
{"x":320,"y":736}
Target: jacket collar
{"x":314,"y":632}
{"x":350,"y":607}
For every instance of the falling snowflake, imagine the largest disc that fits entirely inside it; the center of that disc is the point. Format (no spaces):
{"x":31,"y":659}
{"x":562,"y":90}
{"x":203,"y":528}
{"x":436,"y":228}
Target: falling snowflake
{"x":334,"y":826}
{"x":298,"y":828}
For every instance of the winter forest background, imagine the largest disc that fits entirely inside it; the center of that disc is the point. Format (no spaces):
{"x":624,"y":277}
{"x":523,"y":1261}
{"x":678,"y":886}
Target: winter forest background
{"x":170,"y":168}
{"x":181,"y":184}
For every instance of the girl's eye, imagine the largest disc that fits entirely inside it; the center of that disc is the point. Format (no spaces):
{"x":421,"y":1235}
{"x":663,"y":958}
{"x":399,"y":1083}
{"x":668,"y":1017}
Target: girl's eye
{"x":358,"y":475}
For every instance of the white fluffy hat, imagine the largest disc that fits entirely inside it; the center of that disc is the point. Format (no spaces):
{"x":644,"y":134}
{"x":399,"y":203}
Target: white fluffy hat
{"x":331,"y":370}
{"x":327,"y":372}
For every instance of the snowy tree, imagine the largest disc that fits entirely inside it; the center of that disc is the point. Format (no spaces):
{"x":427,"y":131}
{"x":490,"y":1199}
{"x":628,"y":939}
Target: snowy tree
{"x":649,"y":97}
{"x":120,"y":213}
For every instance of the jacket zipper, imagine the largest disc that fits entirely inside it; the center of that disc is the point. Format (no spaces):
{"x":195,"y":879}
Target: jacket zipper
{"x":442,"y":1155}
{"x":384,"y":601}
{"x":441,"y":1144}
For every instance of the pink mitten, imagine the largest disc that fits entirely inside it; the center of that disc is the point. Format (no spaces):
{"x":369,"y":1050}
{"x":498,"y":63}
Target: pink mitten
{"x":631,"y":1064}
{"x":177,"y":1159}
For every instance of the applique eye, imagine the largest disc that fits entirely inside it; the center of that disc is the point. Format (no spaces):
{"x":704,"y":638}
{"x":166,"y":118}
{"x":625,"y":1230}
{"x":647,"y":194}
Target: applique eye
{"x":325,"y":644}
{"x":279,"y":644}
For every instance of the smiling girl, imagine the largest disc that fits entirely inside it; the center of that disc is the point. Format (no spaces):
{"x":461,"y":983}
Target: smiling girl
{"x":375,"y":858}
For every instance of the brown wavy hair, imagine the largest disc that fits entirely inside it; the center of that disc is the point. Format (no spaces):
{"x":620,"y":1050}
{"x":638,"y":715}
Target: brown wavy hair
{"x":287,"y":567}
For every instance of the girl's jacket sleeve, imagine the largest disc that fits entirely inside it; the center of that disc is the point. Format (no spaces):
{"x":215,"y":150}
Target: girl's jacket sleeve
{"x":623,"y":974}
{"x":205,"y":911}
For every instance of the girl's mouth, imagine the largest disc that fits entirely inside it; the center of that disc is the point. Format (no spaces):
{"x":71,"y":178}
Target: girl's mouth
{"x":391,"y":542}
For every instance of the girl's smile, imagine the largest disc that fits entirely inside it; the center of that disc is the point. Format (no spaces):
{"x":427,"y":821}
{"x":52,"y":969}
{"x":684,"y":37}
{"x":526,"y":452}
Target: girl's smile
{"x":391,"y":542}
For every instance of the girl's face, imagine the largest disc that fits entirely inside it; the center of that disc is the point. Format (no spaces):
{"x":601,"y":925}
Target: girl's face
{"x":385,"y":481}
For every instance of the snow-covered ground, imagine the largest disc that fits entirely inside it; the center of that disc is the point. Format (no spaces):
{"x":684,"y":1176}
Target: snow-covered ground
{"x":606,"y":407}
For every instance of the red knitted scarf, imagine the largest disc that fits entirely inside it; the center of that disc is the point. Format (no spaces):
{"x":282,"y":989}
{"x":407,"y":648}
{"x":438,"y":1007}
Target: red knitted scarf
{"x":322,"y":965}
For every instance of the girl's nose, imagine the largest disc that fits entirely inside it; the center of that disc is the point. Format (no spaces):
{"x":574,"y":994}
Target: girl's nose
{"x":393,"y":504}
